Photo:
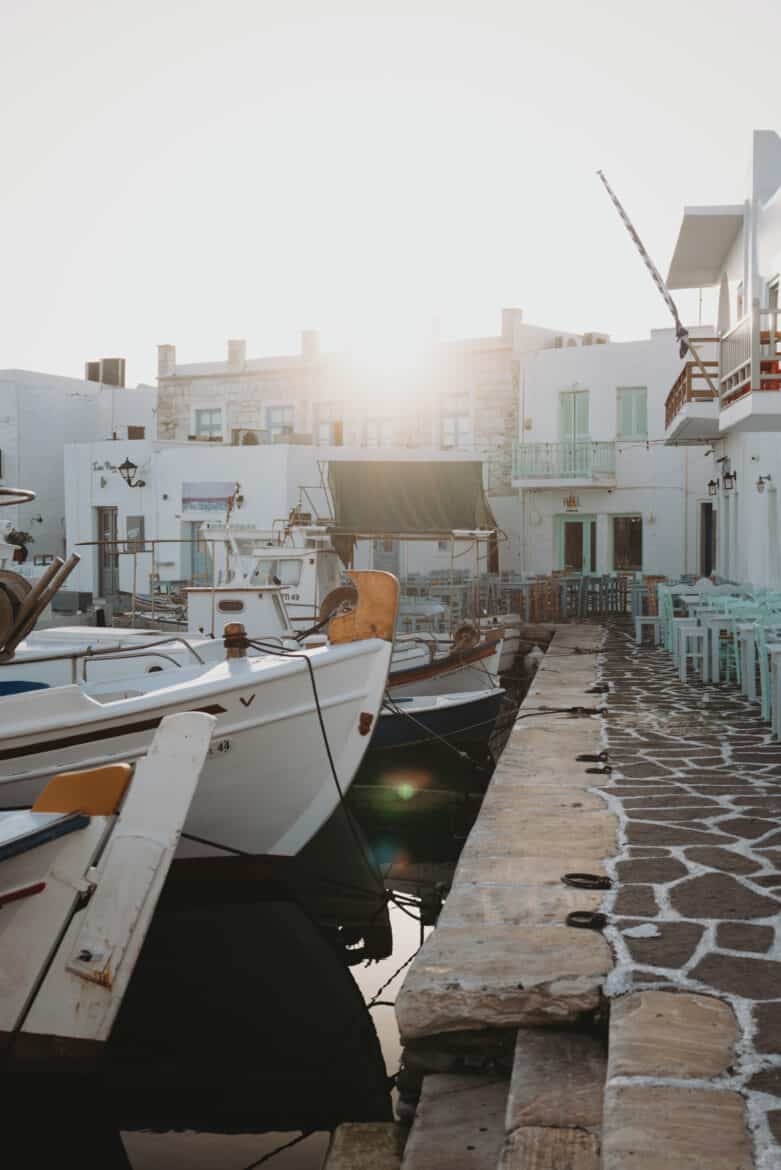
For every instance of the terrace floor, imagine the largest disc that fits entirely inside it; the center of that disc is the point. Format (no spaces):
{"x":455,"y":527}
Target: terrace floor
{"x":696,"y":782}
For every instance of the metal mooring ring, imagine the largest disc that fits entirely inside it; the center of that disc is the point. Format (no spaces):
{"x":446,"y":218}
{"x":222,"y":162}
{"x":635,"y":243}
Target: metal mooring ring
{"x":587,"y":758}
{"x":587,"y":919}
{"x":587,"y":881}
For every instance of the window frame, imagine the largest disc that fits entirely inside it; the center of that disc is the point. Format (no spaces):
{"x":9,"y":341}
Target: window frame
{"x":622,"y":392}
{"x":273,"y":428}
{"x":617,"y":517}
{"x":207,"y":408}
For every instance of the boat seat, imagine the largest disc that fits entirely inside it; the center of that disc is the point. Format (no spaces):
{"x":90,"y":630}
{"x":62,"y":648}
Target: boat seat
{"x":95,"y":791}
{"x":18,"y":686}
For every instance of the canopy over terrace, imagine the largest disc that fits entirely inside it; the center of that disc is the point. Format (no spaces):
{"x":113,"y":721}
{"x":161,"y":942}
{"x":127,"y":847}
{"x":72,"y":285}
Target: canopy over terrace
{"x":407,"y":501}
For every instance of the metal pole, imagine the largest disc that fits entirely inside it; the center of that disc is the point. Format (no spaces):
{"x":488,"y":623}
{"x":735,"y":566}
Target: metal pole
{"x":133,"y":605}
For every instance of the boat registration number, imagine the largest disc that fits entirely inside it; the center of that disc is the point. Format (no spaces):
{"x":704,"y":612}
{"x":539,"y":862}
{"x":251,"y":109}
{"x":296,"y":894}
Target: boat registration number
{"x":219,"y":747}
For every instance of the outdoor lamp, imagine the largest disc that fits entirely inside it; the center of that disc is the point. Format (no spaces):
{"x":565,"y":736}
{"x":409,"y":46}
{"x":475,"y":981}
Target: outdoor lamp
{"x":728,"y":480}
{"x":128,"y":471}
{"x":713,"y":487}
{"x":763,"y":479}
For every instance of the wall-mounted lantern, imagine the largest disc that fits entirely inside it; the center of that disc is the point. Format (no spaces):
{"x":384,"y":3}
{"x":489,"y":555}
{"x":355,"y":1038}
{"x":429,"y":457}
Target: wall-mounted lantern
{"x":713,"y":487}
{"x":763,"y":479}
{"x":729,"y":480}
{"x":128,"y":471}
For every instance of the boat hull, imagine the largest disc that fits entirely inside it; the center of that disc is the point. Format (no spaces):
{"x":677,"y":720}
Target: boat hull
{"x":469,"y":721}
{"x":266,"y":786}
{"x":472,"y":670}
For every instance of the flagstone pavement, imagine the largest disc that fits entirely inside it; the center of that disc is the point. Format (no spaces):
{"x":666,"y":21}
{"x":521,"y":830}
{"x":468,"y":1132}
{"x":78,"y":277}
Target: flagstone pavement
{"x":696,"y":781}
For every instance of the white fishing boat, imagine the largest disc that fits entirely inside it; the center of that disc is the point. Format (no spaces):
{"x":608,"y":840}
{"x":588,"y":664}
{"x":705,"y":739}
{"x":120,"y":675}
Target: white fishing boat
{"x":80,"y":875}
{"x":292,"y":727}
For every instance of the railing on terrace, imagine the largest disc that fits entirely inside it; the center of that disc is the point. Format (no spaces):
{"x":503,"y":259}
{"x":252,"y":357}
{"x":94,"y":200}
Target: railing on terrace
{"x":575,"y":460}
{"x":691,"y":385}
{"x":750,"y":356}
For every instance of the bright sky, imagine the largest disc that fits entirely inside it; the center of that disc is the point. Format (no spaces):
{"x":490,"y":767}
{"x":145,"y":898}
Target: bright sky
{"x":183,"y":171}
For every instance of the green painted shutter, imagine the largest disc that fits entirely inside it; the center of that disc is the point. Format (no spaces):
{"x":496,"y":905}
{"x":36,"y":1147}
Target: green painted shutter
{"x":565,"y":415}
{"x":632,"y":411}
{"x":581,"y":414}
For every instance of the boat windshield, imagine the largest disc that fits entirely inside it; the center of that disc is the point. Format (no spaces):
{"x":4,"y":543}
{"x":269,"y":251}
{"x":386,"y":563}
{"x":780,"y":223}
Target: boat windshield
{"x":277,"y":571}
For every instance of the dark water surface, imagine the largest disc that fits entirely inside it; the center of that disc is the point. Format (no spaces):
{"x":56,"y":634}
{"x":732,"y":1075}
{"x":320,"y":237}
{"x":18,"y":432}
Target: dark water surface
{"x":263,"y":1009}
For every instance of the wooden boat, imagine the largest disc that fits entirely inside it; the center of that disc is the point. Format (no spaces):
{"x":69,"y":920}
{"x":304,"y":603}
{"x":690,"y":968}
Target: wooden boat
{"x":267,"y":784}
{"x":80,"y":875}
{"x":464,"y":718}
{"x":461,"y":669}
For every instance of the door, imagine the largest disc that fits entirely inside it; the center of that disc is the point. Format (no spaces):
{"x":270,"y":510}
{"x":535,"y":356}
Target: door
{"x":386,"y":556}
{"x":573,"y":433}
{"x":707,"y":540}
{"x":108,"y":554}
{"x":199,"y":562}
{"x":577,"y":552}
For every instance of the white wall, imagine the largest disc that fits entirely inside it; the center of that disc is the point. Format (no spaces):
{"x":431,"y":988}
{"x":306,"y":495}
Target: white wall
{"x":664,"y":485}
{"x":270,"y":478}
{"x":39,"y":414}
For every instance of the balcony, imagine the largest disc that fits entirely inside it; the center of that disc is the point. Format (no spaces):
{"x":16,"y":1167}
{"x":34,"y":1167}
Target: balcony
{"x":750,"y":374}
{"x":691,"y":411}
{"x":582,"y":463}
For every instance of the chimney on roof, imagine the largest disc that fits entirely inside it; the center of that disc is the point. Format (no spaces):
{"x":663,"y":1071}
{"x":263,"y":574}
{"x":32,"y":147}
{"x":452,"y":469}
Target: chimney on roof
{"x":109,"y":371}
{"x":237,"y":354}
{"x":510,"y":318}
{"x":310,"y":345}
{"x":166,"y":361}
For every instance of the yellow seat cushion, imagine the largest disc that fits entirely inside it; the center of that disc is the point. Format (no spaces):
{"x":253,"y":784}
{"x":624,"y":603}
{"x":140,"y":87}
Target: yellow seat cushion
{"x":95,"y":791}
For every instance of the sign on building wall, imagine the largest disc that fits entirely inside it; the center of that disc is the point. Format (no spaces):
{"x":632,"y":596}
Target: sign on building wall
{"x":207,"y":496}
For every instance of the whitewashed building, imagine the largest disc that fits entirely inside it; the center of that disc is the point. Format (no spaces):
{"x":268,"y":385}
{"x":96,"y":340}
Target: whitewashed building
{"x":736,"y":409}
{"x":39,"y":415}
{"x":461,"y":395}
{"x":175,"y":488}
{"x":599,"y":490}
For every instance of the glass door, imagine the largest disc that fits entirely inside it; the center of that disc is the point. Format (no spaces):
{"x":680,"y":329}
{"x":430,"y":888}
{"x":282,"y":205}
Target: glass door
{"x":108,"y":554}
{"x":574,"y":433}
{"x":577,"y":544}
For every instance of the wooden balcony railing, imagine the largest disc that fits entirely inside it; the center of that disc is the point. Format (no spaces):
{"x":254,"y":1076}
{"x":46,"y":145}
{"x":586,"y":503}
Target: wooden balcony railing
{"x":691,"y":385}
{"x":750,"y":357}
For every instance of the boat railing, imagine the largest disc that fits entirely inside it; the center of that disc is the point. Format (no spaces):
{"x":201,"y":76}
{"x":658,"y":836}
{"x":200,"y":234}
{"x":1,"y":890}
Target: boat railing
{"x":112,"y":653}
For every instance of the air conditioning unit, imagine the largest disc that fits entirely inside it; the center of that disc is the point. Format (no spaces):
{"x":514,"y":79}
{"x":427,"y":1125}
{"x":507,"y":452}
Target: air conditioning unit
{"x":204,"y":438}
{"x":558,"y":341}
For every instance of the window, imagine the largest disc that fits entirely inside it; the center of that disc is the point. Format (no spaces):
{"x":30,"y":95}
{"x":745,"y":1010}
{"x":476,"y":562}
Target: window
{"x":379,"y":432}
{"x":443,"y":545}
{"x":456,"y":430}
{"x":135,"y":534}
{"x":270,"y":571}
{"x":136,"y":432}
{"x":328,"y":430}
{"x":208,"y":423}
{"x":632,"y":410}
{"x":628,"y":543}
{"x":280,"y":420}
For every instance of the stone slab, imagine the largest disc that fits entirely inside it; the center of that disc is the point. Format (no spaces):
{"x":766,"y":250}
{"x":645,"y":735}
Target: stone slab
{"x":459,"y":1124}
{"x":501,"y":976}
{"x":356,"y":1146}
{"x":654,"y":1127}
{"x":550,"y":1149}
{"x":490,"y":905}
{"x":671,"y":1034}
{"x":558,"y":1080}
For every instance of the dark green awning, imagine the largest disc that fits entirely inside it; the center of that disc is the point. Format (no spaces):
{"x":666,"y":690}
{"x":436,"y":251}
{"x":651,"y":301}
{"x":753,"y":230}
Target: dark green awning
{"x":408,"y":499}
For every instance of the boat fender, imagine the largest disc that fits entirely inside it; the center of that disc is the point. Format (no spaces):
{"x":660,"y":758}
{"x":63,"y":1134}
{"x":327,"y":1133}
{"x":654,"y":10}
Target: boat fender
{"x":465,"y":636}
